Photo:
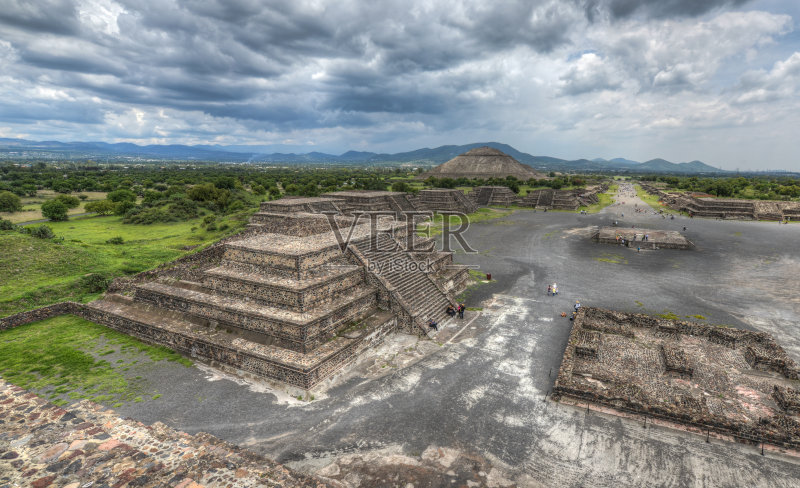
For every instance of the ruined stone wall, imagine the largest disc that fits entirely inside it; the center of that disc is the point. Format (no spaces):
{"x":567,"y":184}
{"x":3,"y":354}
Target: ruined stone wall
{"x":54,"y":310}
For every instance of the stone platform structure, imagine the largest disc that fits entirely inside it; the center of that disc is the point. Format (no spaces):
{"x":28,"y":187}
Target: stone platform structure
{"x":370,"y":201}
{"x":735,"y":382}
{"x":656,"y":239}
{"x":485,"y":196}
{"x":42,"y":445}
{"x":291,"y":299}
{"x":727,"y":208}
{"x":445,"y":200}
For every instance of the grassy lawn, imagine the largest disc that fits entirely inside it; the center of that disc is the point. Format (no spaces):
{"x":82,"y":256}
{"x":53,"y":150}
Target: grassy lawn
{"x":434,"y":228}
{"x":36,"y":272}
{"x":604,"y":200}
{"x":67,"y":358}
{"x":652,"y":200}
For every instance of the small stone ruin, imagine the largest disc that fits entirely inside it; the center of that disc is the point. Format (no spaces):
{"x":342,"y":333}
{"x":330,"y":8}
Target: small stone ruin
{"x":735,"y":382}
{"x":642,"y":238}
{"x":726,"y":208}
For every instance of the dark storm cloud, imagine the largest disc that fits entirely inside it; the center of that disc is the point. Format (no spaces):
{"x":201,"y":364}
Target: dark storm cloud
{"x":659,"y":9}
{"x":240,"y":58}
{"x":45,"y":16}
{"x":88,"y":63}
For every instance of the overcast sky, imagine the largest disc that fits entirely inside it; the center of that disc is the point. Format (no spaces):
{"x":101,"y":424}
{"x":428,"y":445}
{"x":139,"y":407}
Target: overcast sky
{"x":715,"y":80}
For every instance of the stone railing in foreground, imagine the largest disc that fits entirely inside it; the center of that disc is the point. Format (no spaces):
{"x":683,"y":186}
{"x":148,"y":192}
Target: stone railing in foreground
{"x":87,"y":445}
{"x":640,"y":364}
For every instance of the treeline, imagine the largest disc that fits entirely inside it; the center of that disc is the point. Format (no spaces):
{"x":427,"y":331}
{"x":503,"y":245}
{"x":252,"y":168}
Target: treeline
{"x":555,"y":181}
{"x":144,"y":195}
{"x":755,"y":187}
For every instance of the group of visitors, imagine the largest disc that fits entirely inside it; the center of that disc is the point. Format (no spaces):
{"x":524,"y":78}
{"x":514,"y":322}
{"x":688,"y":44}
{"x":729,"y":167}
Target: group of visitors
{"x":451,"y":312}
{"x":552,"y":290}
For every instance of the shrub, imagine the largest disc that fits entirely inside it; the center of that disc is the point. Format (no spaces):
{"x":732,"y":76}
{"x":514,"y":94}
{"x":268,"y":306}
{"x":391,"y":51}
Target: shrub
{"x":102,"y":207}
{"x":146,"y":216}
{"x":182,"y":209}
{"x":83,"y":197}
{"x":54,"y":210}
{"x":9,"y":202}
{"x":122,"y":196}
{"x":41,"y":232}
{"x":116,"y":240}
{"x":6,"y":225}
{"x":94,"y":282}
{"x":69,"y":201}
{"x":121,"y":208}
{"x":211,"y":226}
{"x":224,"y":227}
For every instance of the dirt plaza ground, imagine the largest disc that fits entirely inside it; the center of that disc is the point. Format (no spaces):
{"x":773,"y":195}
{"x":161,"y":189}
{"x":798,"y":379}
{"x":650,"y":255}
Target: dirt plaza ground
{"x":472,"y":411}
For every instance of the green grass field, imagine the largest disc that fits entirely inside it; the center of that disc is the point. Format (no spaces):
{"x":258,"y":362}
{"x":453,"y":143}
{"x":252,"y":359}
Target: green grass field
{"x":604,"y":200}
{"x":652,"y":200}
{"x":434,"y":228}
{"x":67,"y":358}
{"x":36,"y":272}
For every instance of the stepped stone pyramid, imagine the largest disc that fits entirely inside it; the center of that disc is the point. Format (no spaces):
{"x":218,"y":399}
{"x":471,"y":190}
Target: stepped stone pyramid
{"x":446,"y":200}
{"x":287,"y":299}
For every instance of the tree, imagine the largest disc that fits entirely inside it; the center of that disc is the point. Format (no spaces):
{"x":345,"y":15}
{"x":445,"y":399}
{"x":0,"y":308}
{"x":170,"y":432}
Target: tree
{"x":69,"y":201}
{"x":121,"y":196}
{"x":102,"y":207}
{"x":121,"y":208}
{"x":401,"y":186}
{"x":54,"y":210}
{"x":9,"y":202}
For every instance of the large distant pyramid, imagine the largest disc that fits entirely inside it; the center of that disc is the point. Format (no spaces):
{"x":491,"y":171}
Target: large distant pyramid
{"x":483,"y":162}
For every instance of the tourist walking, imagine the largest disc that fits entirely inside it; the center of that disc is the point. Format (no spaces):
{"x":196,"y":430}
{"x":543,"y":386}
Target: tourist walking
{"x":555,"y":289}
{"x":549,"y":290}
{"x":461,"y":309}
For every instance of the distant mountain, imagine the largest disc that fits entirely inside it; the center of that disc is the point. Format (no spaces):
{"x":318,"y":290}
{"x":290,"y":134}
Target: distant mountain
{"x":21,"y":149}
{"x":623,"y":161}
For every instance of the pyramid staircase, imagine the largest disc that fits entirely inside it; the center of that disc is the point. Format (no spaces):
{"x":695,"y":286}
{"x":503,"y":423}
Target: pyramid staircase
{"x":409,"y":277}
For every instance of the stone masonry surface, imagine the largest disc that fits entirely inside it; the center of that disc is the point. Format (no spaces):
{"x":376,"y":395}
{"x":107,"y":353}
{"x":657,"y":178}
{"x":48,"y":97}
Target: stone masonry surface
{"x":694,"y":374}
{"x":86,"y":445}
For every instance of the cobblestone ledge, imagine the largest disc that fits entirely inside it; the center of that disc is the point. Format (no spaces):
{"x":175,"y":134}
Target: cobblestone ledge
{"x":84,"y":445}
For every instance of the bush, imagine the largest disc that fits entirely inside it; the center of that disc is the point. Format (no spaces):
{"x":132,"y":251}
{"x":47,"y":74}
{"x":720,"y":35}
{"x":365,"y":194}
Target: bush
{"x":146,"y":216}
{"x":83,"y":197}
{"x":121,"y":208}
{"x":6,"y":225}
{"x":102,"y":207}
{"x":9,"y":202}
{"x":401,"y":186}
{"x":94,"y":282}
{"x":224,"y":227}
{"x":54,"y":210}
{"x":69,"y":201}
{"x":116,"y":240}
{"x":182,"y":209}
{"x":122,"y":196}
{"x":41,"y":232}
